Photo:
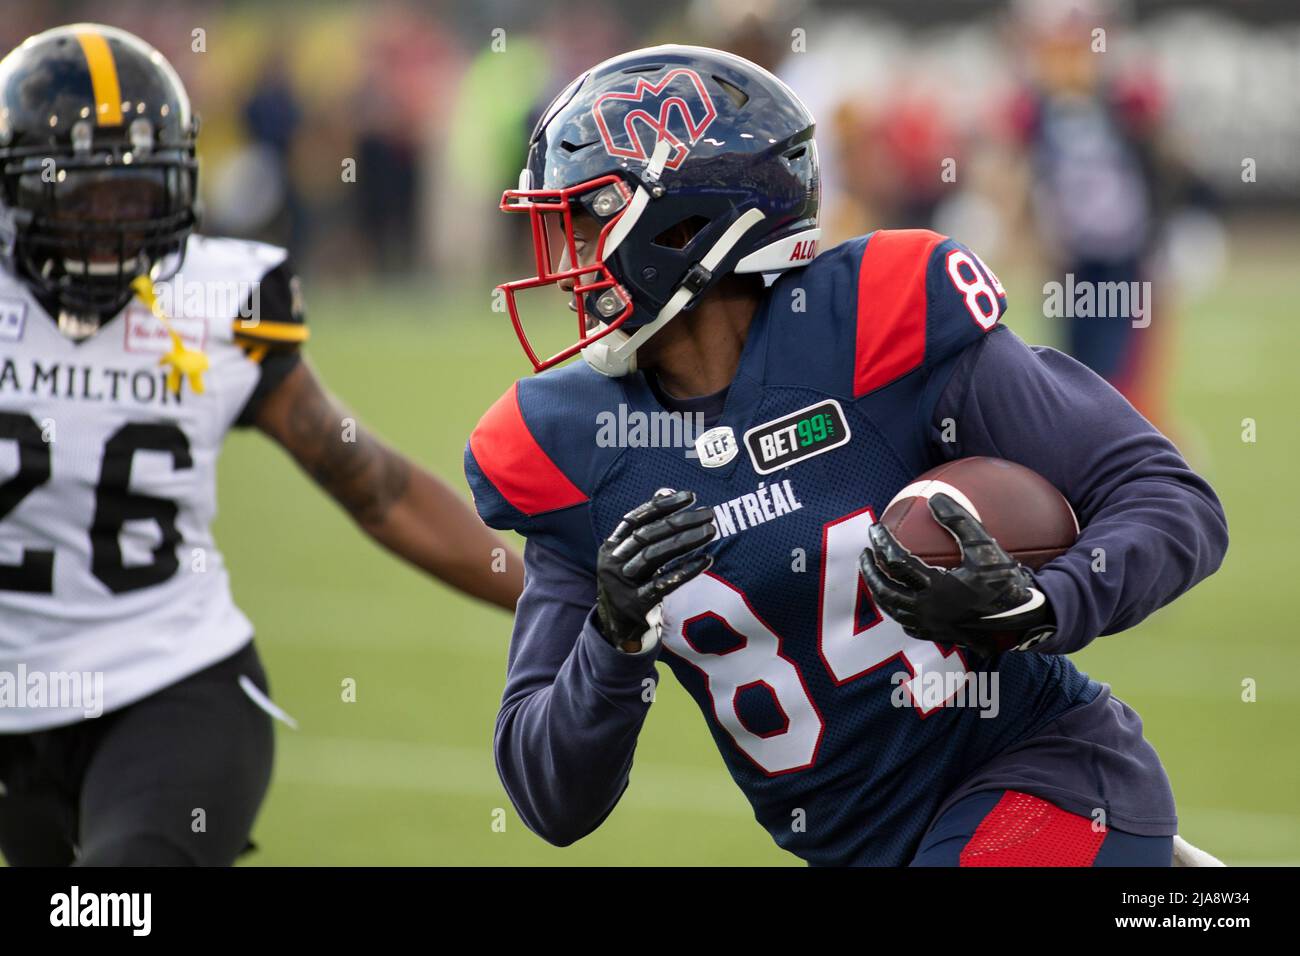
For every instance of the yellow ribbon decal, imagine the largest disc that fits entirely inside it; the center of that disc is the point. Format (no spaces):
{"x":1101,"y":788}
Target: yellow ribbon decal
{"x":183,"y":361}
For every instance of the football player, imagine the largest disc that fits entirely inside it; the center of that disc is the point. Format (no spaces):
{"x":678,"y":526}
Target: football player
{"x":121,"y":370}
{"x":661,"y":187}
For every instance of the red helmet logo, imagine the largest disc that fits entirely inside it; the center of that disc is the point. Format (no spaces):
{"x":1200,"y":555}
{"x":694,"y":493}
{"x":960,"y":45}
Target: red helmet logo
{"x":679,"y":95}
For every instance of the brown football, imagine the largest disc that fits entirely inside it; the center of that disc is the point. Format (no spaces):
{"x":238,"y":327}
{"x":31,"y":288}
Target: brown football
{"x":1020,"y":508}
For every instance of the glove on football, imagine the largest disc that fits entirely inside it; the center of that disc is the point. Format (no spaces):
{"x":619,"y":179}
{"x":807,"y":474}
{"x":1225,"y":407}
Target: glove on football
{"x":988,"y":603}
{"x":638,"y":565}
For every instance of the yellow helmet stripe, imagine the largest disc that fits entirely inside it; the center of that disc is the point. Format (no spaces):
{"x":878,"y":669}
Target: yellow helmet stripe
{"x":103,"y":77}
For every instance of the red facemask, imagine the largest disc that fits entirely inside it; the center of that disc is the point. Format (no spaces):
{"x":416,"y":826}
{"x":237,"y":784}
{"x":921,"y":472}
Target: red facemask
{"x":550,"y":213}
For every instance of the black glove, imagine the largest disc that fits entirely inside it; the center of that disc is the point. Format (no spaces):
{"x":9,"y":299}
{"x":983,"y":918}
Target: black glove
{"x":989,"y":603}
{"x":632,"y":572}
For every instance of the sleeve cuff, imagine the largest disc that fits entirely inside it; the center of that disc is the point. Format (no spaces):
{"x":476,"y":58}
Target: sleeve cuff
{"x":611,"y":667}
{"x":1062,"y":596}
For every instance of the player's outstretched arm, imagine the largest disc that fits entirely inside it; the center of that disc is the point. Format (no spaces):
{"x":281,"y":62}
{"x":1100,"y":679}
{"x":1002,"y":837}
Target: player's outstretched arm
{"x":1152,"y":527}
{"x":399,"y":504}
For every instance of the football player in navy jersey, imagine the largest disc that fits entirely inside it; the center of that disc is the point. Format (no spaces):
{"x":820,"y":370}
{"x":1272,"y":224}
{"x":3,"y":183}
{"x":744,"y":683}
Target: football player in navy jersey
{"x":673,"y":196}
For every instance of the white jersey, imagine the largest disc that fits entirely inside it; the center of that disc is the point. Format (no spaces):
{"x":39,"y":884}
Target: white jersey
{"x":109,"y":574}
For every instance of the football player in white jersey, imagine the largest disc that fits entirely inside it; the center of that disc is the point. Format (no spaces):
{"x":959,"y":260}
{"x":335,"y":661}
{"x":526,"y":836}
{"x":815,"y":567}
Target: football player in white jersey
{"x":130,"y":692}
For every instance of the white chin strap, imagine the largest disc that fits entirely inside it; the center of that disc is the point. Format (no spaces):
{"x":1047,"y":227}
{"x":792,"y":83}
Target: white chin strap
{"x":614,"y":354}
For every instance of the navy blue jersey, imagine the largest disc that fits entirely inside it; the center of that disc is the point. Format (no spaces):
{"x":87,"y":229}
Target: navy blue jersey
{"x":845,"y":734}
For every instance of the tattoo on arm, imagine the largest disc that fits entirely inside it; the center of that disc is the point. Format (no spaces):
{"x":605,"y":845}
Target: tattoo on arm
{"x":360,"y":472}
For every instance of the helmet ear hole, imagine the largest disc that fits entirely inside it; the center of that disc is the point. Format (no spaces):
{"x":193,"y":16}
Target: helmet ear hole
{"x":680,"y":234}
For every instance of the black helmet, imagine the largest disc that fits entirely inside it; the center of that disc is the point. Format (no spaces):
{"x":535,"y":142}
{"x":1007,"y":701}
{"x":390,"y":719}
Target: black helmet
{"x":97,"y":169}
{"x":670,"y":140}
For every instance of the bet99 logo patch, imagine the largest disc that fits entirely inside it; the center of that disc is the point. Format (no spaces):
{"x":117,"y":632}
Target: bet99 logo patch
{"x":792,"y":438}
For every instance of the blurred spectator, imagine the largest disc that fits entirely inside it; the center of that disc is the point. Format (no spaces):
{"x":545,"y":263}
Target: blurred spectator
{"x":272,"y":118}
{"x":1102,"y":184}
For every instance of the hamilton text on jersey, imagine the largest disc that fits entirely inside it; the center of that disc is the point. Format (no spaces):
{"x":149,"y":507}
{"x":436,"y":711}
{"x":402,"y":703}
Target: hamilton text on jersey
{"x":87,"y":383}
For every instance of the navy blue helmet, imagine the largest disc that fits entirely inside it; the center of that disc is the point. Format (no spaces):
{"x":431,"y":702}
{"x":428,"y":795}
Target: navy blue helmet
{"x":693,"y":162}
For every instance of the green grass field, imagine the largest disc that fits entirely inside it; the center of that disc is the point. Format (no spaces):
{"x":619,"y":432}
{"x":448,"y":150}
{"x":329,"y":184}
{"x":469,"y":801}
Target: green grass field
{"x":405,"y":774}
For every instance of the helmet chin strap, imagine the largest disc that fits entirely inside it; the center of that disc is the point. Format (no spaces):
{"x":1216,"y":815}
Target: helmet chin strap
{"x":614,"y":354}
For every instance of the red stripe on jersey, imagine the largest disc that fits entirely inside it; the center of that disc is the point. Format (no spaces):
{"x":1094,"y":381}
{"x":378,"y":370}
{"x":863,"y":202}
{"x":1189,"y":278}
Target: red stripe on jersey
{"x":891,"y":306}
{"x":510,"y":457}
{"x":1024,"y":830}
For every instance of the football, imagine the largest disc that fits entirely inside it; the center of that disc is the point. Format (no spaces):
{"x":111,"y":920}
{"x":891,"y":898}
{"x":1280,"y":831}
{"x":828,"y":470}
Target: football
{"x":1020,"y":508}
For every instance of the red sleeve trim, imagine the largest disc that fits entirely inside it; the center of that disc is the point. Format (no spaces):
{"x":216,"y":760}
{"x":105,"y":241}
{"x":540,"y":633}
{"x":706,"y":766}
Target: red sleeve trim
{"x":510,"y":457}
{"x":891,"y":306}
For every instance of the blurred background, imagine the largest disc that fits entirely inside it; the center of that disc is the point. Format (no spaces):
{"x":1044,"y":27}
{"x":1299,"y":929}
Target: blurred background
{"x":1154,"y":142}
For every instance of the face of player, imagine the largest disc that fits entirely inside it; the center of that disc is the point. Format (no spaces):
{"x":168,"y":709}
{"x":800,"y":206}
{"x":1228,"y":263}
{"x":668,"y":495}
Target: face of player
{"x":567,"y":241}
{"x":586,"y":232}
{"x":91,"y":201}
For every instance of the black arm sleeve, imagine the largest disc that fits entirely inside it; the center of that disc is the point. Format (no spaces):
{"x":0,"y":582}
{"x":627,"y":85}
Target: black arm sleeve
{"x":269,"y":335}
